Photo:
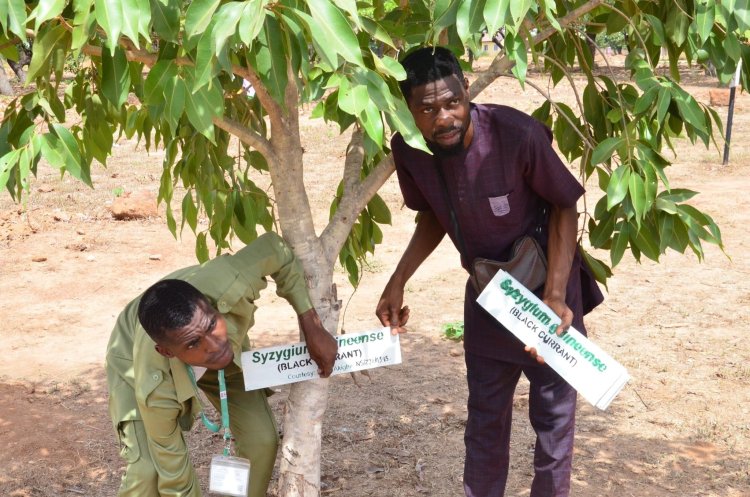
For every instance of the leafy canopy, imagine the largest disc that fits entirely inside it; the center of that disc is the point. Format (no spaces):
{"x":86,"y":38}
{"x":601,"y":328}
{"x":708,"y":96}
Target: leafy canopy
{"x":178,"y":74}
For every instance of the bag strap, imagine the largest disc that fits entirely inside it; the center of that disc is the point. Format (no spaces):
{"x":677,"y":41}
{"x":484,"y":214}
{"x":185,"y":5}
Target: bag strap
{"x":454,"y":219}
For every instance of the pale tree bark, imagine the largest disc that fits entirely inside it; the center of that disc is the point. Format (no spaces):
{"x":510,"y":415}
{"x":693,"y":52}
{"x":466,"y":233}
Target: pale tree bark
{"x":306,"y":405}
{"x":5,"y":87}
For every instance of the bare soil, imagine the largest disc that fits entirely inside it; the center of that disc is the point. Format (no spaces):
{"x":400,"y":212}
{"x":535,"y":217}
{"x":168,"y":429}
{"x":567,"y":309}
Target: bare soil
{"x":681,"y":427}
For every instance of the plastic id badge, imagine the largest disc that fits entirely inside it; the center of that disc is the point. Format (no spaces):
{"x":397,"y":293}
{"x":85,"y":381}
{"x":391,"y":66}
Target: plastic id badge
{"x":229,"y":476}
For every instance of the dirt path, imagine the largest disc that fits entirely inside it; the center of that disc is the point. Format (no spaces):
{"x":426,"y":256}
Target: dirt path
{"x":681,"y":427}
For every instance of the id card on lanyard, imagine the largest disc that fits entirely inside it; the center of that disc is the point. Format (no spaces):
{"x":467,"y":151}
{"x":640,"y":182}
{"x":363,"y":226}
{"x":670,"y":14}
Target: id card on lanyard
{"x":229,"y":475}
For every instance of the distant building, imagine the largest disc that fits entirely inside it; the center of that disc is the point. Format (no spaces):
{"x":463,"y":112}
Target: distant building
{"x":489,"y":46}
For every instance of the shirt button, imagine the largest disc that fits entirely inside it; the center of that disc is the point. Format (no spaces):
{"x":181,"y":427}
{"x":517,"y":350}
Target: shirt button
{"x":156,"y":377}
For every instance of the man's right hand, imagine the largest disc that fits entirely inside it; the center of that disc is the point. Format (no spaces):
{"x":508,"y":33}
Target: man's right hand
{"x":389,"y":310}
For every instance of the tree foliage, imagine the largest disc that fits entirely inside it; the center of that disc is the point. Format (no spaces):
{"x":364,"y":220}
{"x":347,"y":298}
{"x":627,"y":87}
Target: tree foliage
{"x":171,"y":73}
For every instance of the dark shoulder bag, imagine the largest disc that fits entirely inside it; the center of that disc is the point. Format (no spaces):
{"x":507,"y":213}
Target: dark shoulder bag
{"x":527,"y":264}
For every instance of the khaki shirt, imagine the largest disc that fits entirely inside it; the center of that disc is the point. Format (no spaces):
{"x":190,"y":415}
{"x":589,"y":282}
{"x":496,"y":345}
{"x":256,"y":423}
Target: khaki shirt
{"x":144,"y":385}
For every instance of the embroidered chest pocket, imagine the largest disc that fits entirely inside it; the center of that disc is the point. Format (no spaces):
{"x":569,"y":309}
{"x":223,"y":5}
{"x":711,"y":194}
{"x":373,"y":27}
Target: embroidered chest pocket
{"x":500,"y":205}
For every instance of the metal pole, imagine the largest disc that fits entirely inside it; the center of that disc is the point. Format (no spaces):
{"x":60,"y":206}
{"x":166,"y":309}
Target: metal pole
{"x":732,"y":91}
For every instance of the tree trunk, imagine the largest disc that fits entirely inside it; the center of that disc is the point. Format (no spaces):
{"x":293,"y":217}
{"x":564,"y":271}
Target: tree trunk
{"x":5,"y":88}
{"x":304,"y":409}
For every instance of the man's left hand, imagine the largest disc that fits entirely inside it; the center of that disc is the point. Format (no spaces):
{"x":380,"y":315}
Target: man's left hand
{"x":321,"y":344}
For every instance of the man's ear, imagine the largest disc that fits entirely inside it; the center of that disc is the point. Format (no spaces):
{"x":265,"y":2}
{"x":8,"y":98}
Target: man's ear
{"x":164,"y":351}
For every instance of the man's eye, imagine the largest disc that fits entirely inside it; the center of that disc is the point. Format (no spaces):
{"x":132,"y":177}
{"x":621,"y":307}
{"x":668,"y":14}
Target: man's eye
{"x":212,"y":324}
{"x":194,"y":344}
{"x":427,"y":110}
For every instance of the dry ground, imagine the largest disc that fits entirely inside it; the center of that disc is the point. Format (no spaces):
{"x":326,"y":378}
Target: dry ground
{"x":681,"y":427}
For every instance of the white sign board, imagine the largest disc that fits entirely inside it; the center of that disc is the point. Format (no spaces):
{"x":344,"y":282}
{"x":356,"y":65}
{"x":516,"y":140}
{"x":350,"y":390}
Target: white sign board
{"x":282,"y":364}
{"x":580,"y":362}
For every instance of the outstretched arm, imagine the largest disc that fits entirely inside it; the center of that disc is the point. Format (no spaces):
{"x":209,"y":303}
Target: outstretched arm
{"x":427,"y":235}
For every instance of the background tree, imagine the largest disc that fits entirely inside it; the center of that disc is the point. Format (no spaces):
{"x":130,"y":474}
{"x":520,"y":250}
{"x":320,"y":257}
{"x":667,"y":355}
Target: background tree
{"x":176,"y":74}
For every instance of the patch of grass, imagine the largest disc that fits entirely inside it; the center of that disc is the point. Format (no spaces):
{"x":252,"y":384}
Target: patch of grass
{"x":454,"y":331}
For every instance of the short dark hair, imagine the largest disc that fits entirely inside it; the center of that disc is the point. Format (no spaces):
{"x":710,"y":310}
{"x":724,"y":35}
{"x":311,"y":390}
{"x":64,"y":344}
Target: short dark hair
{"x":168,"y":305}
{"x":428,"y":64}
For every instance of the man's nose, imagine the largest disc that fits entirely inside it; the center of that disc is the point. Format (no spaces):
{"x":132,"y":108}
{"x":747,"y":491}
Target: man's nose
{"x":213,"y":343}
{"x":444,"y":117}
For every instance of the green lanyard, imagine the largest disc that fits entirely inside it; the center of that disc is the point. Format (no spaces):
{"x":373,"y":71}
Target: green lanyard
{"x":224,"y":410}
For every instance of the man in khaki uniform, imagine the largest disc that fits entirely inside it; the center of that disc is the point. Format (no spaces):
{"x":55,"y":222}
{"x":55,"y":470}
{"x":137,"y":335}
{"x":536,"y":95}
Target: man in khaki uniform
{"x":198,"y":317}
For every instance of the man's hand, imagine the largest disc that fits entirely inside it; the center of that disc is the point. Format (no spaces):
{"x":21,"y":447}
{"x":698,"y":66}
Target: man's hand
{"x":389,"y":310}
{"x":321,"y":344}
{"x":561,"y":309}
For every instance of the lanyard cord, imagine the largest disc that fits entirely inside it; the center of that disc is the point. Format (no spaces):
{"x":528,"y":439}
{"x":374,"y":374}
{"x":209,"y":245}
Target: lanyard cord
{"x":224,"y":410}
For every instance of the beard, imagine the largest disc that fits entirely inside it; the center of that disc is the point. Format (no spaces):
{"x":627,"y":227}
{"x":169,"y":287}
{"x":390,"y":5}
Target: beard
{"x":451,"y":150}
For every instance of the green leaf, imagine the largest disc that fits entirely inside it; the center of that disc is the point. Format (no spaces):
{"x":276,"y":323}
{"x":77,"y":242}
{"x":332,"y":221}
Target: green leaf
{"x":659,"y":36}
{"x":337,"y":30}
{"x":83,"y":23}
{"x":379,"y":210}
{"x":600,"y":270}
{"x":662,"y":104}
{"x":70,"y":153}
{"x":741,"y":13}
{"x":646,"y":243}
{"x":518,"y":54}
{"x":601,"y":233}
{"x":226,"y":24}
{"x":205,"y":63}
{"x":518,"y":10}
{"x":7,"y":163}
{"x":677,"y":26}
{"x":175,"y":94}
{"x":678,"y":195}
{"x":269,"y":59}
{"x":620,"y":243}
{"x":16,"y":12}
{"x":354,"y":99}
{"x":372,"y":123}
{"x":637,"y":193}
{"x":56,"y":38}
{"x":166,"y":17}
{"x":189,"y":211}
{"x":115,"y":77}
{"x":159,"y":76}
{"x":704,"y":18}
{"x":133,"y":13}
{"x":390,"y":66}
{"x":666,"y":231}
{"x":201,"y":247}
{"x":605,"y":149}
{"x":469,"y":18}
{"x":494,"y":14}
{"x":109,"y":16}
{"x":202,"y":106}
{"x":46,"y":10}
{"x":618,"y":186}
{"x":378,"y":32}
{"x":198,"y":16}
{"x":690,"y":110}
{"x":251,"y":21}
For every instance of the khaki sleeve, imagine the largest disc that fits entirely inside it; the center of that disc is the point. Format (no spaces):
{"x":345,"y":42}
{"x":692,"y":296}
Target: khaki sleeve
{"x":166,"y":444}
{"x":271,"y":256}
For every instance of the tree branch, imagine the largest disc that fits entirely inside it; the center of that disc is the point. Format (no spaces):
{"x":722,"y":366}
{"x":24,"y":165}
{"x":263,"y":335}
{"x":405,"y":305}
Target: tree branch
{"x":334,"y":235}
{"x":501,"y":64}
{"x":355,"y":153}
{"x":247,"y":136}
{"x":273,"y":109}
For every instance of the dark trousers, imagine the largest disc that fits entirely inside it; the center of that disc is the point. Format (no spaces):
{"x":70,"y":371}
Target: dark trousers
{"x":552,"y":404}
